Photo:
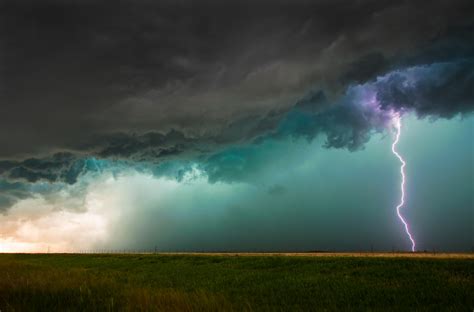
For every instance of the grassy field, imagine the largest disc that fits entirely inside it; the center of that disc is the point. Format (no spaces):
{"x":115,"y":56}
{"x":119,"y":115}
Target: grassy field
{"x":199,"y":282}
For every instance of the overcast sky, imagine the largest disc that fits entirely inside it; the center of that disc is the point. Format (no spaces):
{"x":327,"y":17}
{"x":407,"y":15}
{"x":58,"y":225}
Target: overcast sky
{"x":235,"y":125}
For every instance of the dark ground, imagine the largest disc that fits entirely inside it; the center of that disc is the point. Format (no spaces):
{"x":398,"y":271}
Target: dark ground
{"x":200,"y":282}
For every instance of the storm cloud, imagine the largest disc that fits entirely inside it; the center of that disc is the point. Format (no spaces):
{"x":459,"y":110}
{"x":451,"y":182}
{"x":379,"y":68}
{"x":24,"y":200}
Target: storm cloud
{"x":180,"y":91}
{"x":77,"y":73}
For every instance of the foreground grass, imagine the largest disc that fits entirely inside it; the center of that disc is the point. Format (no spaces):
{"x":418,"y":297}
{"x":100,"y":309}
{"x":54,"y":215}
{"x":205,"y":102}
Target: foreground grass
{"x":223,"y":283}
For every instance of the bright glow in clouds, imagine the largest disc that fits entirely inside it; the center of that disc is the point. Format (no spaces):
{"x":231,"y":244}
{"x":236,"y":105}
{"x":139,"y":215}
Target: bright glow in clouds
{"x":39,"y":225}
{"x":398,"y":127}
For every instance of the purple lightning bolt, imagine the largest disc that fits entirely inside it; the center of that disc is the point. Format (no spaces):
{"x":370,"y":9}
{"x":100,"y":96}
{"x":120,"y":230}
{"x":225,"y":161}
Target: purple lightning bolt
{"x":398,"y":127}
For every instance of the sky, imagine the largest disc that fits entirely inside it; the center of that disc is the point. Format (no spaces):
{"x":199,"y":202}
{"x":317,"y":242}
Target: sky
{"x":235,"y":126}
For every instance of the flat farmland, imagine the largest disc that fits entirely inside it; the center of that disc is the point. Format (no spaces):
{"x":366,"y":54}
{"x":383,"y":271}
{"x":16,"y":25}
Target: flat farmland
{"x":237,"y":282}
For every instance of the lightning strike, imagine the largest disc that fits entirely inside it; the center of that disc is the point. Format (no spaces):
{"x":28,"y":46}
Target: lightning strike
{"x":398,"y":127}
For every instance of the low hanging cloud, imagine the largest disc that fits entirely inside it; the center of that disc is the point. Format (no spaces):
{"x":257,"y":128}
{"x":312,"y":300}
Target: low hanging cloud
{"x":438,"y":90}
{"x":90,"y":87}
{"x":434,"y":90}
{"x":347,"y":122}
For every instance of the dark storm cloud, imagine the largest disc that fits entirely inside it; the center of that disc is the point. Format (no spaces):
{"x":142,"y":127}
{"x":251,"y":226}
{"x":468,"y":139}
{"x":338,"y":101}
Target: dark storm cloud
{"x":151,"y":82}
{"x":435,"y":90}
{"x":348,"y":123}
{"x":365,"y":68}
{"x":438,"y":90}
{"x":61,"y":167}
{"x":73,"y":71}
{"x":11,"y":193}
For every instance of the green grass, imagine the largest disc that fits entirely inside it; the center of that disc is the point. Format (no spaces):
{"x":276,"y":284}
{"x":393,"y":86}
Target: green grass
{"x":223,"y":283}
